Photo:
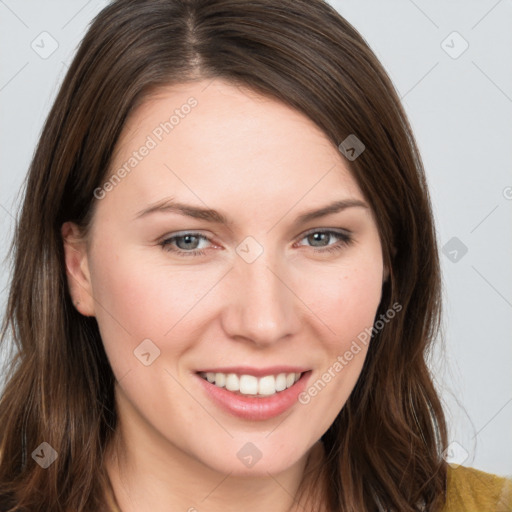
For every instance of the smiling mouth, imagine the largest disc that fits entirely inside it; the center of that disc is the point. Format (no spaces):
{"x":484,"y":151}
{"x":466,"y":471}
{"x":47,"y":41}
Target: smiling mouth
{"x":249,"y":385}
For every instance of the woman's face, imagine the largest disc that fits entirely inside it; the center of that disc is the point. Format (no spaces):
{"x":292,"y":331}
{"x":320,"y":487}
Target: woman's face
{"x":240,"y":281}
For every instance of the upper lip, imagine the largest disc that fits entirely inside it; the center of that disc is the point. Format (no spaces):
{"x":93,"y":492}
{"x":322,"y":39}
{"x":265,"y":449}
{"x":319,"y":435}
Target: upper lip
{"x":257,"y":372}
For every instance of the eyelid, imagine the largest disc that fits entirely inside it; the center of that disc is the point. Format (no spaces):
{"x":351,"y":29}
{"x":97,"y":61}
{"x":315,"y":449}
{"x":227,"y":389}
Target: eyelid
{"x":181,"y":234}
{"x":325,"y":230}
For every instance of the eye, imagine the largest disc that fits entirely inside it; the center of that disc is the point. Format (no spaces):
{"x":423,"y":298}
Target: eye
{"x":184,"y":242}
{"x":322,"y":236}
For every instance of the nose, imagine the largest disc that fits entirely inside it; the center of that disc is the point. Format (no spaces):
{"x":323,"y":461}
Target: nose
{"x":262,"y":305}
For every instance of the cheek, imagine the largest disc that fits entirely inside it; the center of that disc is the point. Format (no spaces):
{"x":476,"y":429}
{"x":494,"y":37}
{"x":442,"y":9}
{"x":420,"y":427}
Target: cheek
{"x":346,"y":298}
{"x":347,"y":305}
{"x":136,"y":300}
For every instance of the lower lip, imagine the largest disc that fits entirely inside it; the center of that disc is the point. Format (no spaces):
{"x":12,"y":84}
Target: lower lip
{"x":253,"y":408}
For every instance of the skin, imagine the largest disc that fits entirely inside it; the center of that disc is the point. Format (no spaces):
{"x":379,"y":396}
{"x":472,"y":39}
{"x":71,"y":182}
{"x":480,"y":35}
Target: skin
{"x":261,"y":164}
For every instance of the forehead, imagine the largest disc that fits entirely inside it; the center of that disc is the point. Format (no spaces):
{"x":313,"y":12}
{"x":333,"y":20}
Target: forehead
{"x":214,"y":140}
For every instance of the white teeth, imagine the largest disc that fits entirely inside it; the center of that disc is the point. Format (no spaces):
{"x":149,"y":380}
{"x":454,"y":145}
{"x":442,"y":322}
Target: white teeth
{"x":281,"y":382}
{"x":220,"y":380}
{"x":251,"y":385}
{"x":232,"y":382}
{"x":267,"y":385}
{"x":248,"y":385}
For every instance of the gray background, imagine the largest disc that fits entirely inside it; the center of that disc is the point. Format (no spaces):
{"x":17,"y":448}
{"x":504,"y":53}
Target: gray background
{"x":459,"y":104}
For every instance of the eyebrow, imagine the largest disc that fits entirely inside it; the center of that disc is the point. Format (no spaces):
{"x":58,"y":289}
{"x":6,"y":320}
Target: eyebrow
{"x":207,"y":214}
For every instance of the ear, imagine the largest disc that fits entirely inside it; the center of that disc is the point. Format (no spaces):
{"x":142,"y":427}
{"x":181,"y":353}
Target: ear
{"x":77,"y":269}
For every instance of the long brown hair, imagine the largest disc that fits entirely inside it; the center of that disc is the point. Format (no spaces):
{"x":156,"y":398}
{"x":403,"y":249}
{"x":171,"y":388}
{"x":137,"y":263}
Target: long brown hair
{"x":384,"y":448}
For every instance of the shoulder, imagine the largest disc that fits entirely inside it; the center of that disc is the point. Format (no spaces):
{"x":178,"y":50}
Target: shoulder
{"x":469,"y":489}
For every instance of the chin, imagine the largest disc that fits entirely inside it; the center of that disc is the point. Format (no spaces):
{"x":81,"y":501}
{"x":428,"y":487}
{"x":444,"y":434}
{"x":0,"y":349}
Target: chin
{"x":255,"y":456}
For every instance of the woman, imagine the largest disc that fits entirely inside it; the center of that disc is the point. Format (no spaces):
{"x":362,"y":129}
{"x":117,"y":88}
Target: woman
{"x":279,"y":362}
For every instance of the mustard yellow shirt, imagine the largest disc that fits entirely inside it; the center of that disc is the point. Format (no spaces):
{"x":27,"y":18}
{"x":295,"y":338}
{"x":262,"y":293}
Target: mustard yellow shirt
{"x":472,"y":490}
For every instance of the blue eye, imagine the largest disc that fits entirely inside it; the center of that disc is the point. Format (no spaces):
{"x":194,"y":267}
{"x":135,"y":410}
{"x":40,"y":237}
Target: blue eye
{"x":345,"y":239}
{"x":187,"y":243}
{"x":189,"y":239}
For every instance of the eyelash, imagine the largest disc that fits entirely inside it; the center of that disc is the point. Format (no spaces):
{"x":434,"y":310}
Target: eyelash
{"x":345,"y":240}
